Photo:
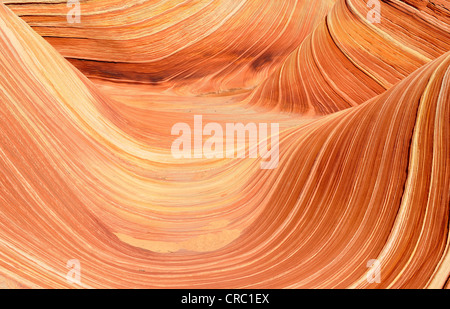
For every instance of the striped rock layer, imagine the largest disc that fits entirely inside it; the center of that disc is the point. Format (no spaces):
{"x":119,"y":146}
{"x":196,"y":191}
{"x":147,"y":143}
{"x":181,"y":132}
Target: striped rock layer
{"x":86,"y":170}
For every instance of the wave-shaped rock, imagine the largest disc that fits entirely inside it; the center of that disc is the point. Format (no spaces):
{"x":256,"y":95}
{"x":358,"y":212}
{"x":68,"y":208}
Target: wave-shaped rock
{"x":86,"y":170}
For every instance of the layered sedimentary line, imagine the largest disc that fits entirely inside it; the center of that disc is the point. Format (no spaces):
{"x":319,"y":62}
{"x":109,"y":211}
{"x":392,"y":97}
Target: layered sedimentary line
{"x":135,"y":169}
{"x":206,"y":46}
{"x":348,"y":60}
{"x":365,"y":183}
{"x":169,"y":52}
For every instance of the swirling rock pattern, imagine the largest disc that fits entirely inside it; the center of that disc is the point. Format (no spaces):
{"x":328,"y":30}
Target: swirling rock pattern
{"x":85,"y":134}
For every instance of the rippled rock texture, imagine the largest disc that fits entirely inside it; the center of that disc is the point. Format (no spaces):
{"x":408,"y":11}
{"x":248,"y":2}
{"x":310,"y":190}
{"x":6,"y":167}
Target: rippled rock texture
{"x":87,"y":173}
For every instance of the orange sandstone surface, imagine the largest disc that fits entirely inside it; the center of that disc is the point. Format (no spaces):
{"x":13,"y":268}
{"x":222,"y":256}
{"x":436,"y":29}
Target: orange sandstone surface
{"x":87,"y":173}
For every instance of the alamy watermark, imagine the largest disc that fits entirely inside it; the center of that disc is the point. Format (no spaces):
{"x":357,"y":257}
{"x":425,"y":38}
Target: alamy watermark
{"x":374,"y":15}
{"x":231,"y":141}
{"x":74,"y":274}
{"x":374,"y":273}
{"x":74,"y":14}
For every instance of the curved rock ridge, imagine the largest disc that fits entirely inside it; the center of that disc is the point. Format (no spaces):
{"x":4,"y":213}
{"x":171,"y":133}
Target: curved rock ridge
{"x":347,"y":60}
{"x":206,"y":46}
{"x":87,"y":173}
